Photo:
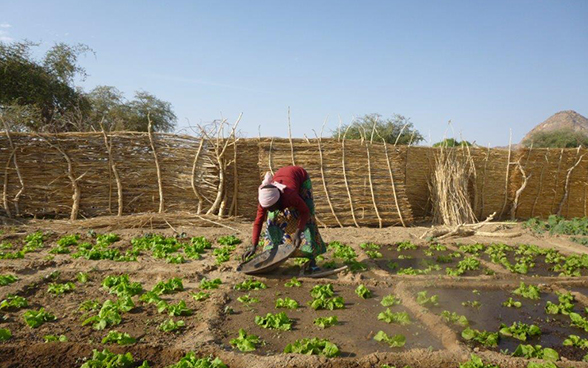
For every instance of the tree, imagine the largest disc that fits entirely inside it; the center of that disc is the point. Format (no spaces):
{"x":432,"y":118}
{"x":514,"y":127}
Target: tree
{"x":109,"y":107}
{"x":396,"y":129}
{"x":42,"y":96}
{"x":562,"y":138}
{"x":451,"y":142}
{"x":45,"y":88}
{"x":147,"y":107}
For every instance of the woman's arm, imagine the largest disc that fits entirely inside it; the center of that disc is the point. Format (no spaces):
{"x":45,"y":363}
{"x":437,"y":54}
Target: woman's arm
{"x":257,"y":225}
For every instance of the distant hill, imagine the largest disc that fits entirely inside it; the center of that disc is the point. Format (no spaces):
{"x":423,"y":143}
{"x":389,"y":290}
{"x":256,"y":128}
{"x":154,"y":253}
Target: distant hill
{"x":568,"y":119}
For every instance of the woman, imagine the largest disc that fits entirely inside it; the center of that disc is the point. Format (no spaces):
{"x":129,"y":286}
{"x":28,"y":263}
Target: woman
{"x":286,"y":199}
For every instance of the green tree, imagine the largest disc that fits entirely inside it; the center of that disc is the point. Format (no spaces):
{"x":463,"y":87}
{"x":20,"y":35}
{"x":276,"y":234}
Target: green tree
{"x":562,"y":138}
{"x":395,"y":129}
{"x":109,"y":107}
{"x":37,"y":95}
{"x":40,"y":95}
{"x":451,"y":142}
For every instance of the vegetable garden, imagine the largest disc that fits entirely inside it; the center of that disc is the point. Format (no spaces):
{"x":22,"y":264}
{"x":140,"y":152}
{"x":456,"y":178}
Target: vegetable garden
{"x":131,"y":298}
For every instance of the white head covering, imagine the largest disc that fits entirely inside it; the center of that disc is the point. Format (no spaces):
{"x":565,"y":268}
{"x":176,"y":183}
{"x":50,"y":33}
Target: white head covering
{"x":269,"y":196}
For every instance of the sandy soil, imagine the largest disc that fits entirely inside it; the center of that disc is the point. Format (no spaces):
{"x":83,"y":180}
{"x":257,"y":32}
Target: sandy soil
{"x":430,"y":341}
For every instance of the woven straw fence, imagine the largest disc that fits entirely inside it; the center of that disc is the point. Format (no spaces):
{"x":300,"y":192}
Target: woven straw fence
{"x":74,"y":174}
{"x":356,"y":183}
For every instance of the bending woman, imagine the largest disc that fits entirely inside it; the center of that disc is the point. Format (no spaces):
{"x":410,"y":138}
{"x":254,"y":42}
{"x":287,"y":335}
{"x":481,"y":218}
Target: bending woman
{"x":286,"y":203}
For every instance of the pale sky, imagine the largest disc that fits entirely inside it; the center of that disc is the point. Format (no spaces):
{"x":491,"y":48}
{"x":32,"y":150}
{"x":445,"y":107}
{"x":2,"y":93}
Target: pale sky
{"x":488,"y":66}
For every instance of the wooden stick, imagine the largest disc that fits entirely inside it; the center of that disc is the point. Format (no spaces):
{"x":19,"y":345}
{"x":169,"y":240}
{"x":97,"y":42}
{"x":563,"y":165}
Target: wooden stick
{"x":567,"y":185}
{"x":5,"y":190}
{"x":345,"y":177}
{"x":392,"y":182}
{"x":483,"y":194}
{"x":557,"y":180}
{"x":18,"y":173}
{"x":372,"y":184}
{"x":112,"y":166}
{"x":158,"y":170}
{"x":290,"y":138}
{"x":234,"y":202}
{"x":507,"y":177}
{"x":318,"y":140}
{"x":515,"y":205}
{"x":193,"y":178}
{"x":270,"y":156}
{"x":540,"y":184}
{"x":75,"y":208}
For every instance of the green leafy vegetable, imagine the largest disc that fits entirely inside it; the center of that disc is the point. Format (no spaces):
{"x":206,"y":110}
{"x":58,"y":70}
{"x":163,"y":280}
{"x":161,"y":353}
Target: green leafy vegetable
{"x":407,"y":245}
{"x":390,"y":301}
{"x":528,"y":291}
{"x":106,"y":359}
{"x":229,"y":240}
{"x":322,"y":291}
{"x":206,"y":284}
{"x":245,"y":342}
{"x":120,"y":285}
{"x":109,"y":315}
{"x":14,"y":302}
{"x":200,"y":296}
{"x":424,"y":300}
{"x":511,"y":303}
{"x":7,"y":279}
{"x":58,"y":289}
{"x":36,"y":318}
{"x":396,"y":341}
{"x":314,"y":346}
{"x":247,"y":299}
{"x":191,"y":361}
{"x":363,"y":292}
{"x":121,"y":338}
{"x":489,"y":339}
{"x":536,"y":351}
{"x":453,"y":317}
{"x":293,"y":283}
{"x":286,"y":303}
{"x":170,"y":325}
{"x":279,"y":321}
{"x":520,"y":331}
{"x":328,"y":303}
{"x":5,"y":334}
{"x":476,"y":362}
{"x":83,"y":277}
{"x":168,"y":287}
{"x":401,"y":318}
{"x":53,"y":338}
{"x":326,"y":322}
{"x":250,"y":284}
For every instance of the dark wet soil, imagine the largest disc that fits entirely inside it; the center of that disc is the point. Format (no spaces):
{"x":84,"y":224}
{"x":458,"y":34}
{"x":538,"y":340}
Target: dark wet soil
{"x":491,"y":314}
{"x":354,"y":334}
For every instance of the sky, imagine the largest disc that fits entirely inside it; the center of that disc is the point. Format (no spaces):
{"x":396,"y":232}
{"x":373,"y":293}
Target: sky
{"x":489,"y":67}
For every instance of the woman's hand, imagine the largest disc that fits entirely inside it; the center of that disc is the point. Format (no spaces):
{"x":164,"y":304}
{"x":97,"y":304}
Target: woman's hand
{"x":296,"y":239}
{"x":245,"y":257}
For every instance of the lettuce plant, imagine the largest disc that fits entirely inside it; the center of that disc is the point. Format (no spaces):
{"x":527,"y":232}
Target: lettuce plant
{"x":278,"y":321}
{"x":326,"y":322}
{"x":396,"y":341}
{"x":363,"y":292}
{"x":245,"y":342}
{"x":314,"y":346}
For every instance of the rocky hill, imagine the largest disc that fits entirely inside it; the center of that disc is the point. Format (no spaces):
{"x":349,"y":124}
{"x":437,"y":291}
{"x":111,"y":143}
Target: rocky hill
{"x":567,"y":119}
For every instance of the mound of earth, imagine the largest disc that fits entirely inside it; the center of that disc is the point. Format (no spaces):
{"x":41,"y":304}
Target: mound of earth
{"x":563,"y":120}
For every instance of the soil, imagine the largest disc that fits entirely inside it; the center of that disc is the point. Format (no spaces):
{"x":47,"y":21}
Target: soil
{"x":353,"y":334}
{"x":430,"y":342}
{"x":394,"y":260}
